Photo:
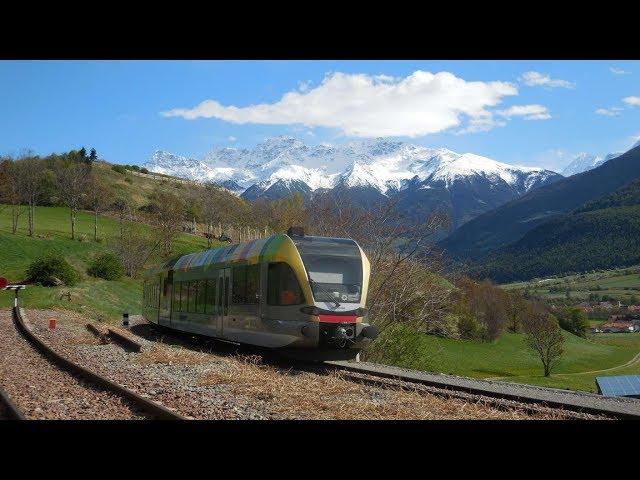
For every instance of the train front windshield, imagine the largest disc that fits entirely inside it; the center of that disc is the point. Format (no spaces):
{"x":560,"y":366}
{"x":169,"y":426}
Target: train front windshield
{"x":334,"y":267}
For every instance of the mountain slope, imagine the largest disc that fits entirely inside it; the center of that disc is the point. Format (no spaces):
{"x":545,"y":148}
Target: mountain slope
{"x":603,"y":233}
{"x":423,"y":179}
{"x":509,"y":222}
{"x":586,"y":161}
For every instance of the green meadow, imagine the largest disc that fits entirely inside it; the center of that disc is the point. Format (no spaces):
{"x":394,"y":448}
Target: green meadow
{"x":95,"y":298}
{"x":509,"y":359}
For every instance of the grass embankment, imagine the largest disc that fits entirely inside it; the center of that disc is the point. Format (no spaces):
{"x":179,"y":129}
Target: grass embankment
{"x":509,"y":358}
{"x":93,"y":297}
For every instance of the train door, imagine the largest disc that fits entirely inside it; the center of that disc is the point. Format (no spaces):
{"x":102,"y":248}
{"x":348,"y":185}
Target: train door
{"x":223,"y":294}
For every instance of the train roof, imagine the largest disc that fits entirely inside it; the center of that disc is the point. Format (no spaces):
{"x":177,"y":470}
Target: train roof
{"x":254,"y":251}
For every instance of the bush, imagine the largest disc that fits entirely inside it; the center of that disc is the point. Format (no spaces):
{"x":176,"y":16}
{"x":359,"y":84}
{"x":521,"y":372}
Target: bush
{"x":51,"y":270}
{"x":574,"y":320}
{"x":144,"y":170}
{"x":106,"y":266}
{"x":119,"y":168}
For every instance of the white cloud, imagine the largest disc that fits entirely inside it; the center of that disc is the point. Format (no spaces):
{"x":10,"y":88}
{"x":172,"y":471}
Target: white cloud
{"x":537,"y":79}
{"x":618,"y":71}
{"x":231,"y":138}
{"x":632,"y":101}
{"x":528,"y":112}
{"x":363,"y":105}
{"x":609,"y":112}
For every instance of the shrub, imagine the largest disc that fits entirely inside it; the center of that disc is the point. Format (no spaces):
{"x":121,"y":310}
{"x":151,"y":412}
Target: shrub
{"x":144,"y":170}
{"x":119,"y":168}
{"x":574,"y":320}
{"x":50,"y":270}
{"x":107,"y":266}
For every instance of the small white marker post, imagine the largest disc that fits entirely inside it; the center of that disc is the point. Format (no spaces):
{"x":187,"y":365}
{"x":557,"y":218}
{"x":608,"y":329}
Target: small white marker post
{"x":17,"y":288}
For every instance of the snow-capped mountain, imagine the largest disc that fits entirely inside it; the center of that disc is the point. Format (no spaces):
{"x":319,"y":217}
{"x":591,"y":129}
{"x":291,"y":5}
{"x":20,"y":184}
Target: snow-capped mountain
{"x":587,"y":161}
{"x":366,"y":170}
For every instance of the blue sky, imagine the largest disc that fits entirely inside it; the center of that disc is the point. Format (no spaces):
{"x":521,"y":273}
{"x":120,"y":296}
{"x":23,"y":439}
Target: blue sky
{"x":524,"y":112}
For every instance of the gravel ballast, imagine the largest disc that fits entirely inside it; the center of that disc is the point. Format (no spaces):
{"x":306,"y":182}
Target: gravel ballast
{"x":43,"y":391}
{"x":211,"y":385}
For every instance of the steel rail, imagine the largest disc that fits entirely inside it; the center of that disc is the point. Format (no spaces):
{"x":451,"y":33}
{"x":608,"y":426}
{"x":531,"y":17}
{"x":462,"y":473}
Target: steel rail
{"x":11,"y":410}
{"x":449,"y":384}
{"x":550,"y":397}
{"x":157,"y":410}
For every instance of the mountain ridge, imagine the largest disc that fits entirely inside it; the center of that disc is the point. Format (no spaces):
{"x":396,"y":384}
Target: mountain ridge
{"x":509,"y":222}
{"x":463,"y":185}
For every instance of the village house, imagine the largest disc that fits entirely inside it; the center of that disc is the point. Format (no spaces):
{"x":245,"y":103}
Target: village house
{"x":619,"y":326}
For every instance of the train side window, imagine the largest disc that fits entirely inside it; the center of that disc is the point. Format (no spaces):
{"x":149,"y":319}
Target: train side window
{"x":225,"y":297}
{"x":253,"y":284}
{"x":202,"y":296}
{"x":192,"y":289}
{"x":176,"y":296}
{"x":282,"y":286}
{"x":239,"y":286}
{"x":183,"y":296}
{"x":211,"y":296}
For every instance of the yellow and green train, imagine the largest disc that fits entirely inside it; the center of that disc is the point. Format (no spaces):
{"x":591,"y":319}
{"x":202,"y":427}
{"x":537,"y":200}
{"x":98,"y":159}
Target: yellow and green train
{"x":302,"y":294}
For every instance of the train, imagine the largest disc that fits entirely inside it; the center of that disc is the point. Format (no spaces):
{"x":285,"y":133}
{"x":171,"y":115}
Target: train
{"x":302,"y":295}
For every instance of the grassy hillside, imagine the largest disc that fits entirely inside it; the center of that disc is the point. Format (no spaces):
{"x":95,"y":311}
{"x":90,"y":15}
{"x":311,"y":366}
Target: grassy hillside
{"x":620,"y":283}
{"x":598,"y":239}
{"x":92,"y":296}
{"x":509,"y":359}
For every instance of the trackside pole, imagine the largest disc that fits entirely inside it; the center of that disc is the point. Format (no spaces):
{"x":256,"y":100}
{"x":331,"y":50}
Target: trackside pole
{"x":16,"y":289}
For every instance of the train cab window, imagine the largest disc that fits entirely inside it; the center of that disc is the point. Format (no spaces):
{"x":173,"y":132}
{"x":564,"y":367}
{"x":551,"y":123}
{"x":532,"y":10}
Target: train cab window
{"x":201,"y":296}
{"x":210,"y":306}
{"x":282,"y":286}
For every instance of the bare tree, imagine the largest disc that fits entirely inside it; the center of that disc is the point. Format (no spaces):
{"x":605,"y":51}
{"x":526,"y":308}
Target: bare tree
{"x":124,"y":206}
{"x":515,"y":307}
{"x":10,"y":192}
{"x":404,"y":284}
{"x":73,"y":179}
{"x":544,"y":337}
{"x":98,"y":196}
{"x":30,"y":174}
{"x":166,"y":212}
{"x":134,"y":246}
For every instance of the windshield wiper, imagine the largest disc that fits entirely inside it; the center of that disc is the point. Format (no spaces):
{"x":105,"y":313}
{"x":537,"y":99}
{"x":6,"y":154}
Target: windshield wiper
{"x":326,"y":292}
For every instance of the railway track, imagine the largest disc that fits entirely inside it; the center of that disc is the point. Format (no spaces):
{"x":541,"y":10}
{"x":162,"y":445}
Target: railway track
{"x":502,"y":393}
{"x":8,"y":409}
{"x":93,"y":390}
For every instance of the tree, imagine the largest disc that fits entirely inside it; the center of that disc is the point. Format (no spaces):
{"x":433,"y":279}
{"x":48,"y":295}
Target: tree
{"x":133,"y":247}
{"x":404,"y":286}
{"x":93,"y":155}
{"x":9,"y":191}
{"x":73,"y":179}
{"x":515,"y":307}
{"x":124,"y":206}
{"x":544,"y":337}
{"x":166,"y":212}
{"x":574,"y":320}
{"x":98,"y":196}
{"x":30,"y":172}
